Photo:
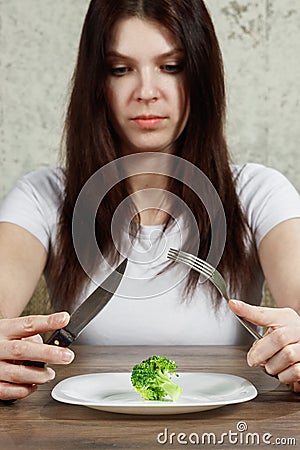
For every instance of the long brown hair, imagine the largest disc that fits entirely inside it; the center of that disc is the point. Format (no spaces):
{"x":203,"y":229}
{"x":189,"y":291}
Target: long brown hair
{"x":90,"y":141}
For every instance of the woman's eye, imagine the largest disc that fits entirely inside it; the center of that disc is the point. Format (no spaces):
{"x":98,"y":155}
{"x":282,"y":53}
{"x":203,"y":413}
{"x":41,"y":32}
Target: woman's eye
{"x":172,"y":68}
{"x":119,"y":71}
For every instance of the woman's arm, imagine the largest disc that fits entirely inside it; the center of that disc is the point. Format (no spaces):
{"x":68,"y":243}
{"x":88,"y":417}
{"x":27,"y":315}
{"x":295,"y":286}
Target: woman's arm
{"x":22,"y":261}
{"x":279,"y":255}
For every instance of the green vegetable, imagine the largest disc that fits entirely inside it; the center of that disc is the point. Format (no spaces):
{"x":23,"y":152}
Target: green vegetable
{"x":152,"y":379}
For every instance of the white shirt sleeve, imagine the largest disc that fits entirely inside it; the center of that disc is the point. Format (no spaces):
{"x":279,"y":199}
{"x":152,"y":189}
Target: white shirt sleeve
{"x":267,"y":197}
{"x":33,"y":204}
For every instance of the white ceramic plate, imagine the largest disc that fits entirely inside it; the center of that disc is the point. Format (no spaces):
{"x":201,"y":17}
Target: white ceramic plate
{"x":113,"y":392}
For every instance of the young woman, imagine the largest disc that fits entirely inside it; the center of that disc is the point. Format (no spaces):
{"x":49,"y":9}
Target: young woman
{"x":147,"y":168}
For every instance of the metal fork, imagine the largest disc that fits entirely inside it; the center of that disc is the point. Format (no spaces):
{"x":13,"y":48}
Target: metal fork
{"x":213,"y":275}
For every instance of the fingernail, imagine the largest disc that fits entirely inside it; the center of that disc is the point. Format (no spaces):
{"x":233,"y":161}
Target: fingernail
{"x":58,"y":319}
{"x":64,"y":316}
{"x":67,"y":356}
{"x":51,"y":373}
{"x":235,"y":302}
{"x":250,"y":361}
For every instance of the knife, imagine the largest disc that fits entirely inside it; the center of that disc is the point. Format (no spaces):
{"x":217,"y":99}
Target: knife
{"x":81,"y":317}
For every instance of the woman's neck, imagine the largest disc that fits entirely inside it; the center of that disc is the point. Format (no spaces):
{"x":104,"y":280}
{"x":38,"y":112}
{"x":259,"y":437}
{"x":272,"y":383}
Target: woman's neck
{"x":149,"y":187}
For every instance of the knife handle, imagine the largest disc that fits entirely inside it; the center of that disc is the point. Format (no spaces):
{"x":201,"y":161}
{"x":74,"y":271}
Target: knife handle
{"x":60,"y":338}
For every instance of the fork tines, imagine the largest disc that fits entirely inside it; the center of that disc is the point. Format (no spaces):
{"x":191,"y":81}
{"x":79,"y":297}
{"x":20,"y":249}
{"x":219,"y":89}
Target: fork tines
{"x":192,"y":261}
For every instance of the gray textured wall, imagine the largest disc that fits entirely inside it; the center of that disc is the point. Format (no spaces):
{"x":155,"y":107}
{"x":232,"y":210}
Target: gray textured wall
{"x":260,"y":40}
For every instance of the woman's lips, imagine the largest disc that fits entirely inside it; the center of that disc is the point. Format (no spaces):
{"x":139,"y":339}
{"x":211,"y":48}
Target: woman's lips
{"x":148,"y":121}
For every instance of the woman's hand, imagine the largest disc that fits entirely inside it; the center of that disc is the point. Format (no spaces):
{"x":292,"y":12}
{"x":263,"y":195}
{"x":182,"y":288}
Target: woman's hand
{"x":279,"y":349}
{"x":19,"y":340}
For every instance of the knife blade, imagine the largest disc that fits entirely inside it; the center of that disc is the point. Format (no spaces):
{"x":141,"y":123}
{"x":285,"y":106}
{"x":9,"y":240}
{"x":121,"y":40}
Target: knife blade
{"x":81,"y":317}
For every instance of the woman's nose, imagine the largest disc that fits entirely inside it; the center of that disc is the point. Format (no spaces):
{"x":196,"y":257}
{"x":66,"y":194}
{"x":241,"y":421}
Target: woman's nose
{"x":147,"y":89}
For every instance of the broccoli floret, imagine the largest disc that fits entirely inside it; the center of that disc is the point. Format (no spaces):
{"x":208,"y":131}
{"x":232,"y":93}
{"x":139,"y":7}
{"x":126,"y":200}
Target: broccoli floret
{"x":152,"y":379}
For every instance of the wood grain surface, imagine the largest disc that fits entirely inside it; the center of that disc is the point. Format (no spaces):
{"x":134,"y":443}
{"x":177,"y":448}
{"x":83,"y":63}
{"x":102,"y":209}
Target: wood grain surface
{"x":41,"y":423}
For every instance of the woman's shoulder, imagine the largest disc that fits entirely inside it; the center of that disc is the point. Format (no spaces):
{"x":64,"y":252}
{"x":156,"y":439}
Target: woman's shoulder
{"x":251,"y":176}
{"x":51,"y":178}
{"x":46,"y":185}
{"x":34,"y":201}
{"x":252,"y":170}
{"x":266,"y":196}
{"x":43,"y":188}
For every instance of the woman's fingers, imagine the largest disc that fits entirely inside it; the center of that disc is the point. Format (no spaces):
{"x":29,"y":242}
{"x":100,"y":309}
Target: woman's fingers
{"x":263,"y":316}
{"x":290,"y":375}
{"x":295,"y":387}
{"x":20,"y":341}
{"x":279,"y":349}
{"x":286,"y":357}
{"x":16,"y":391}
{"x":26,"y":377}
{"x":36,"y":338}
{"x":31,"y":325}
{"x":278,"y":340}
{"x":26,"y":350}
{"x":20,"y":374}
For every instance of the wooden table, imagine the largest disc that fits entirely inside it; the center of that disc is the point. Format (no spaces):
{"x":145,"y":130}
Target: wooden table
{"x":41,"y":423}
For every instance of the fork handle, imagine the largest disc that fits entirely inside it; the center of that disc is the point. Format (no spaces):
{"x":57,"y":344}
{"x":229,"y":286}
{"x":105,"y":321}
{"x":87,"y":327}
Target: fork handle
{"x":248,"y":327}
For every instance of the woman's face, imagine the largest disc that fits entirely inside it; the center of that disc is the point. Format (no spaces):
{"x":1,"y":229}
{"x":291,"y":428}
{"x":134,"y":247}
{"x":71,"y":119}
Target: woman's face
{"x":146,"y":92}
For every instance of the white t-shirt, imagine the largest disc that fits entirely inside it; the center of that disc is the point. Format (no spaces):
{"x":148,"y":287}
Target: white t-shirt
{"x":150,"y":309}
